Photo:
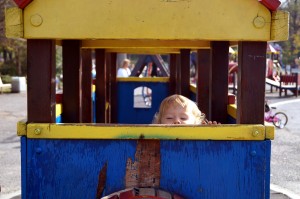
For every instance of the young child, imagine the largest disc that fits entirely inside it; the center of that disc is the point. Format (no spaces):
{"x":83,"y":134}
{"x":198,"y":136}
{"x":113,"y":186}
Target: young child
{"x":177,"y":109}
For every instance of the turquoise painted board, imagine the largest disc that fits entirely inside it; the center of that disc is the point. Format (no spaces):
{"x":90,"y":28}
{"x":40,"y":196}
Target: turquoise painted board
{"x":192,"y":169}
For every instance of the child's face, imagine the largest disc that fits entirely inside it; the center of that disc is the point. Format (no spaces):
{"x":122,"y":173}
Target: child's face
{"x":178,"y":115}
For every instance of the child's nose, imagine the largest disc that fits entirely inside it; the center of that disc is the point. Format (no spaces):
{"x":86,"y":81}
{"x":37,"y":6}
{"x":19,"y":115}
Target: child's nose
{"x":177,"y":121}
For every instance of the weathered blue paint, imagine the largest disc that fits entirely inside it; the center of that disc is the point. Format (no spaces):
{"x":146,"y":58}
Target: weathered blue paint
{"x":127,"y":114}
{"x":23,"y":141}
{"x":58,"y":119}
{"x":231,"y":120}
{"x":193,"y":169}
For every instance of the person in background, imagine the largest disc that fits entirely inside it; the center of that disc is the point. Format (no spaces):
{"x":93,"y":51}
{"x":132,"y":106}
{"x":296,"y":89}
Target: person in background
{"x":124,"y":71}
{"x":177,"y":109}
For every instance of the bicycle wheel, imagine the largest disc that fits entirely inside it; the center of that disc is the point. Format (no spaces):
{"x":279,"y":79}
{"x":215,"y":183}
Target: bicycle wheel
{"x":280,"y":120}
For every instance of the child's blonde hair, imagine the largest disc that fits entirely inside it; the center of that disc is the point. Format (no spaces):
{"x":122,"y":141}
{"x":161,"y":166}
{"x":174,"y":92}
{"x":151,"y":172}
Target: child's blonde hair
{"x":125,"y":62}
{"x":182,"y":101}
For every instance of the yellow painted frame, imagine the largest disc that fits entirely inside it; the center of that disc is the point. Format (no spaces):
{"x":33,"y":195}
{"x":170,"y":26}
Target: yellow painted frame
{"x":143,"y":79}
{"x":163,"y":132}
{"x":144,"y":20}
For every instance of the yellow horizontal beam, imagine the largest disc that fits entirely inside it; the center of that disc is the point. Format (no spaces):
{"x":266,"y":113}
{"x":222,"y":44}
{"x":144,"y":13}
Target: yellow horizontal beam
{"x":97,"y":131}
{"x":205,"y":20}
{"x":143,"y":79}
{"x":128,"y":44}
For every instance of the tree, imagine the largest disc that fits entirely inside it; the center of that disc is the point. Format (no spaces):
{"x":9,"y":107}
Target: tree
{"x":291,"y":48}
{"x":12,"y":51}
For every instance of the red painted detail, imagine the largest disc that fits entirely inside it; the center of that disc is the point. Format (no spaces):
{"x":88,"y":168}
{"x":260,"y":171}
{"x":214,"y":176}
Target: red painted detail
{"x":59,"y":98}
{"x":177,"y":196}
{"x":127,"y":194}
{"x":270,"y":4}
{"x":231,"y":98}
{"x":22,"y":3}
{"x":114,"y":197}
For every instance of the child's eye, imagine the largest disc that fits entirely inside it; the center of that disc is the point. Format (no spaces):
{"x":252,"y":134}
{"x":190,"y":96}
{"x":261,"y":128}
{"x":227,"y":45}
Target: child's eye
{"x":183,"y":118}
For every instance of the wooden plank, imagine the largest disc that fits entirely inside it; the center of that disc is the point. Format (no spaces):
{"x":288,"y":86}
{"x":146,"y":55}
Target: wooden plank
{"x":108,"y":66}
{"x":100,"y":85}
{"x":71,"y":81}
{"x":184,"y":72}
{"x":203,"y":72}
{"x":14,"y":22}
{"x":219,"y":81}
{"x":41,"y":80}
{"x":194,"y":132}
{"x":251,"y":82}
{"x":113,"y":89}
{"x":184,"y":165}
{"x":279,"y":26}
{"x":86,"y":86}
{"x":191,"y":19}
{"x":173,"y":74}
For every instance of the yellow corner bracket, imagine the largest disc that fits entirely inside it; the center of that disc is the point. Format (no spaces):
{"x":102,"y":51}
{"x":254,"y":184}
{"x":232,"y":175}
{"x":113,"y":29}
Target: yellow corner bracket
{"x":14,"y":23}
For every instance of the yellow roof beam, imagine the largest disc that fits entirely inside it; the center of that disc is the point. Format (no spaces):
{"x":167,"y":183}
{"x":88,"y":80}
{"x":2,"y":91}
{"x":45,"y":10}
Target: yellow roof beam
{"x":144,"y":20}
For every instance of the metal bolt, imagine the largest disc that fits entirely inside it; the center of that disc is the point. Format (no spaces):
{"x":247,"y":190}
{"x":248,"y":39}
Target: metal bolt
{"x":255,"y":133}
{"x":36,"y":20}
{"x":37,"y":131}
{"x":38,"y":150}
{"x":259,"y":22}
{"x":253,"y":153}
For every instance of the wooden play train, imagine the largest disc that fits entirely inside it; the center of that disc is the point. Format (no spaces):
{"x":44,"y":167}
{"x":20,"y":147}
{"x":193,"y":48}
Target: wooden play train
{"x":96,"y":142}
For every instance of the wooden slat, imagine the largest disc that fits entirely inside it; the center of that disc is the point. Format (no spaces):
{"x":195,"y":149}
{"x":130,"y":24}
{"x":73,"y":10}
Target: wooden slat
{"x":251,"y":82}
{"x":219,"y":82}
{"x":184,"y":72}
{"x":71,"y":81}
{"x":41,"y":80}
{"x":203,"y":81}
{"x":173,"y":74}
{"x":86,"y":86}
{"x":100,"y":86}
{"x":113,"y":89}
{"x":108,"y":66}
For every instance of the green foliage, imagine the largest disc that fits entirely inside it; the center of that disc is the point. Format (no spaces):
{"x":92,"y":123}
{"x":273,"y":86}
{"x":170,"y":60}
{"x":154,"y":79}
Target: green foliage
{"x":291,"y":48}
{"x":6,"y":79}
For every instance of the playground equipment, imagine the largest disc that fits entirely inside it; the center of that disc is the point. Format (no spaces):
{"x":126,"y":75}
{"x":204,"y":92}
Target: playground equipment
{"x":79,"y":158}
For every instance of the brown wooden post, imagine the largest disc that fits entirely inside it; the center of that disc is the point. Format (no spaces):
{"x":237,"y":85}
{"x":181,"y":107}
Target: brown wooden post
{"x":113,"y":89}
{"x":100,"y":86}
{"x":203,"y":82}
{"x":108,"y":66}
{"x":71,"y":81}
{"x":251,"y":82}
{"x":86,"y":86}
{"x":41,"y":80}
{"x":184,"y":73}
{"x":219,"y":100}
{"x":173,"y":74}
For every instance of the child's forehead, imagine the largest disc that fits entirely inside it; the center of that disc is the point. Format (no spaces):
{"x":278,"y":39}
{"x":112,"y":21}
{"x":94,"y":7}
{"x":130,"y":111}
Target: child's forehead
{"x":176,"y":105}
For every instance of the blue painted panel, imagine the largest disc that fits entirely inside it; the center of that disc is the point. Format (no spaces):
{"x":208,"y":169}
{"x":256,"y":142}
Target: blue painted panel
{"x":215,"y":169}
{"x":23,"y":165}
{"x":127,"y":114}
{"x":58,"y":119}
{"x":231,"y":120}
{"x":70,"y":168}
{"x":193,"y":96}
{"x":193,"y":169}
